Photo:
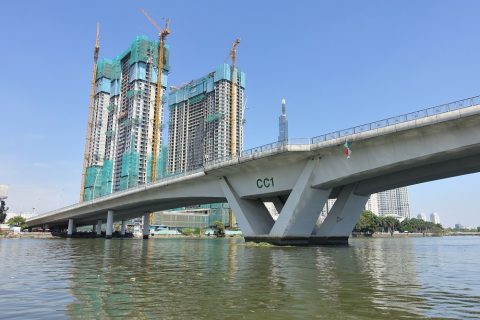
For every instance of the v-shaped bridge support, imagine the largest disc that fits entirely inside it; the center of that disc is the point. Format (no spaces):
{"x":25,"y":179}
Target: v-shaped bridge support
{"x":296,"y":224}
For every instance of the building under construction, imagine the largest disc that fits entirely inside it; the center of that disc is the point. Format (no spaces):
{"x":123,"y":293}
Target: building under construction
{"x":200,"y":114}
{"x":120,"y":142}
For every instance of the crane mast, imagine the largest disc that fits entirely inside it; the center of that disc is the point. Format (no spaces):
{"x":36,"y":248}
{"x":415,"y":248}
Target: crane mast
{"x":86,"y":155}
{"x":162,"y":35}
{"x":233,"y":95}
{"x":233,"y":113}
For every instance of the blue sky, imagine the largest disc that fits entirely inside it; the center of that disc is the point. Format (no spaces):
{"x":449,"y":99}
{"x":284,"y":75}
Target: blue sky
{"x":337,"y":63}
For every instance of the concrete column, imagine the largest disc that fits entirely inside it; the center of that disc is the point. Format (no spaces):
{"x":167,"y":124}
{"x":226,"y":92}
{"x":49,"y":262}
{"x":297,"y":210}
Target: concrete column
{"x":297,"y":219}
{"x":124,"y":228}
{"x":109,"y":229}
{"x":146,"y":225}
{"x":70,"y":228}
{"x":342,"y":217}
{"x":99,"y":228}
{"x":252,"y":215}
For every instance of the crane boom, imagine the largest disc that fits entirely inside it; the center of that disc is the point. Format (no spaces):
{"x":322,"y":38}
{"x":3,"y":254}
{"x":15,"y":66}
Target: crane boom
{"x":86,"y":155}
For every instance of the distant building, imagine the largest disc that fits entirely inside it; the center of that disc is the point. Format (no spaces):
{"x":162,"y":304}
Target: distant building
{"x":283,"y":124}
{"x":202,"y":216}
{"x":459,"y":226}
{"x":372,"y":204}
{"x":393,"y":203}
{"x":434,"y":218}
{"x":327,"y":207}
{"x":422,"y":216}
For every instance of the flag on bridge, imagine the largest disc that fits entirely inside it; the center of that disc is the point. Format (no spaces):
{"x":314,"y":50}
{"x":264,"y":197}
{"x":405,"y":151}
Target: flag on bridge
{"x":348,"y":151}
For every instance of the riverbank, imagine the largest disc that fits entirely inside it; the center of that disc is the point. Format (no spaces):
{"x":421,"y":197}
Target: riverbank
{"x":48,"y":235}
{"x":26,"y":235}
{"x":396,"y":235}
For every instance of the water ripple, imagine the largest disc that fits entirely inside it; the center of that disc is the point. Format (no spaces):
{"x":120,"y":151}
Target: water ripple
{"x":217,"y":278}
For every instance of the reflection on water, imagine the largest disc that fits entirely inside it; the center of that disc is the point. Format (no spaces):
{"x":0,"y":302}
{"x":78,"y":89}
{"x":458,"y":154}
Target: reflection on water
{"x":212,"y":278}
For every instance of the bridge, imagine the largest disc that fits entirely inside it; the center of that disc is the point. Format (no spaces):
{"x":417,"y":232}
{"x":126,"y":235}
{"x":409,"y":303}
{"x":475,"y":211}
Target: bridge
{"x":300,"y":176}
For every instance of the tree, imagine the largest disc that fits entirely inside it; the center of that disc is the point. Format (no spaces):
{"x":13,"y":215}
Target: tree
{"x":18,"y":221}
{"x":418,"y":225}
{"x":391,"y":224}
{"x":367,"y":223}
{"x":220,"y":228}
{"x":3,"y":211}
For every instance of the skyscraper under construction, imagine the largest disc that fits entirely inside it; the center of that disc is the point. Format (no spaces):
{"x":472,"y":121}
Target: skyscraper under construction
{"x":200,"y":119}
{"x":119,"y":146}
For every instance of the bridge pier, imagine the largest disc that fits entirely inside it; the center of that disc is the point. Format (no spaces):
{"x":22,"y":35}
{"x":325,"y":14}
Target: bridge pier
{"x":70,"y":228}
{"x":251,"y":214}
{"x":146,"y":225}
{"x":301,"y":210}
{"x":342,"y":217}
{"x":296,"y":222}
{"x":109,"y":227}
{"x":124,"y":228}
{"x":99,"y":228}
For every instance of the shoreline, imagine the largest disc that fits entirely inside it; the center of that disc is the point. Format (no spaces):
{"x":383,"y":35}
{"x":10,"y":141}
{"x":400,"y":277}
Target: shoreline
{"x":48,"y":235}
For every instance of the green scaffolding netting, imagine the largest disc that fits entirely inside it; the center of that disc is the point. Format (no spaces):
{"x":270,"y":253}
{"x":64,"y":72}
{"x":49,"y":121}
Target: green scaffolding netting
{"x":129,"y":172}
{"x":98,"y":181}
{"x":110,"y":69}
{"x":142,"y":47}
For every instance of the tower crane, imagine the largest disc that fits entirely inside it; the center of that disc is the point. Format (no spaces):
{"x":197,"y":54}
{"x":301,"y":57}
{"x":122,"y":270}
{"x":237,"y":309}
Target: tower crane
{"x":233,"y":95}
{"x":86,"y":154}
{"x":233,"y":112}
{"x":162,"y":35}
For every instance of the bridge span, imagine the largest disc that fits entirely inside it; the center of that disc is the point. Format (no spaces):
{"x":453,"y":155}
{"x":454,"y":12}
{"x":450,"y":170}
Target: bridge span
{"x":300,"y":176}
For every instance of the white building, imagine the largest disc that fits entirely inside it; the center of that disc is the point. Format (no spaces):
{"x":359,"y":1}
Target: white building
{"x":393,"y":203}
{"x":422,"y":216}
{"x":372,"y":204}
{"x":434,"y":218}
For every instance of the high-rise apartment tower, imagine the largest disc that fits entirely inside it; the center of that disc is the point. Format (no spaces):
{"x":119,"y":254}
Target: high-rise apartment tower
{"x":390,"y":202}
{"x":120,"y":149}
{"x":199,"y":117}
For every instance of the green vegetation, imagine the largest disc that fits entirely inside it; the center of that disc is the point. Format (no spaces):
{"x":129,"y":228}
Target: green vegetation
{"x":191,"y":231}
{"x":18,"y":222}
{"x":3,"y":211}
{"x":369,"y":223}
{"x":220,"y":228}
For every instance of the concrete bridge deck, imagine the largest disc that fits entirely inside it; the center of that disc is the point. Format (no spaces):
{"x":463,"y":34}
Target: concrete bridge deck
{"x":299,"y":177}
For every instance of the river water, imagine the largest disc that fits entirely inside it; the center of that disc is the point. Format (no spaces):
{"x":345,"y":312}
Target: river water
{"x":224,"y":278}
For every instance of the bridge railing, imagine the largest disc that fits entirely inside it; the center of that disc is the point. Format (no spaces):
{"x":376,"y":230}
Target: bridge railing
{"x":460,"y":104}
{"x":261,"y":150}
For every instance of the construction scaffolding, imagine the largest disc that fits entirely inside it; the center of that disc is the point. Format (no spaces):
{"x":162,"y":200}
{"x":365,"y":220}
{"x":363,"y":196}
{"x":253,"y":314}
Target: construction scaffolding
{"x":200,"y":112}
{"x":123,"y":130}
